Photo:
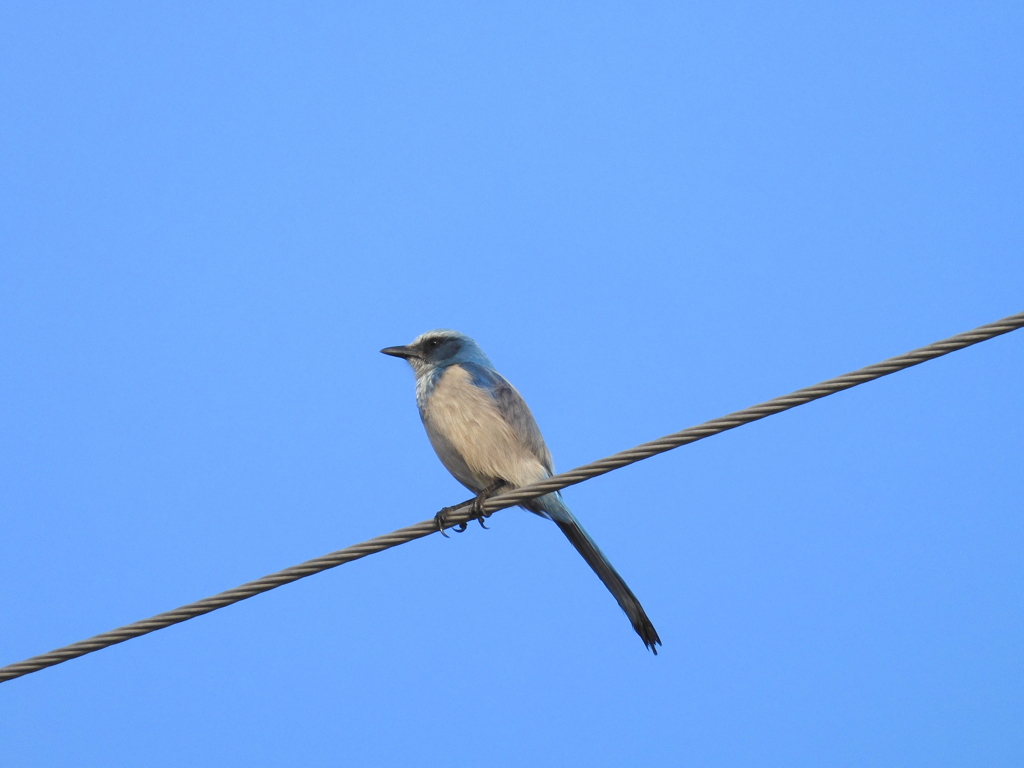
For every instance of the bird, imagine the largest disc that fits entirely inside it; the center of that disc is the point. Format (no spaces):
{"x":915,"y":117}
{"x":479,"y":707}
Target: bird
{"x":486,"y":437}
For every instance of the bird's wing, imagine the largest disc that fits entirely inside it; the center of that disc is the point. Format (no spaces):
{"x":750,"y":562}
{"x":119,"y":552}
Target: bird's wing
{"x":514,"y":411}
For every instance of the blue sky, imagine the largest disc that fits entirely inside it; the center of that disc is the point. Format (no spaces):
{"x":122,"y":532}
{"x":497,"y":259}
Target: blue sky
{"x":213,"y":215}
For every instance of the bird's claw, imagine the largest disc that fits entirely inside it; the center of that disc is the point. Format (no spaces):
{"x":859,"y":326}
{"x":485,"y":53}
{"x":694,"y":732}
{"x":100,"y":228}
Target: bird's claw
{"x":478,"y":512}
{"x":441,"y":519}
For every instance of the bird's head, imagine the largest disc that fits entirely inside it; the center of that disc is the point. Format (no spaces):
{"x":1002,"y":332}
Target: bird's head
{"x":436,"y":349}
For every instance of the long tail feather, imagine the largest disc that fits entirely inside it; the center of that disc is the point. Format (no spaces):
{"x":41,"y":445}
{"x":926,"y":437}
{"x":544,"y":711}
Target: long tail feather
{"x":579,"y":538}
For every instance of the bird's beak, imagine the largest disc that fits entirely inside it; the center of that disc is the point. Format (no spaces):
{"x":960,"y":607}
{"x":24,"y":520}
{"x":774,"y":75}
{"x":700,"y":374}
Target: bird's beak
{"x":403,"y":352}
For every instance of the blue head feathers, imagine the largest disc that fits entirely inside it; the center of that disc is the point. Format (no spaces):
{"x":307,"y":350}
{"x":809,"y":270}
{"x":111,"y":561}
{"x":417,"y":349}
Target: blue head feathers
{"x":440,"y":348}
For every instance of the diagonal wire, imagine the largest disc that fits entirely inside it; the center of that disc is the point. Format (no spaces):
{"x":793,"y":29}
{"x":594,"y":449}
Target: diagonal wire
{"x":463,"y":513}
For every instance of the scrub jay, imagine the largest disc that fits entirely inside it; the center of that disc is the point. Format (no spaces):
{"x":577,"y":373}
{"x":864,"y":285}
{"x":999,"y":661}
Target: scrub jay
{"x":484,"y":434}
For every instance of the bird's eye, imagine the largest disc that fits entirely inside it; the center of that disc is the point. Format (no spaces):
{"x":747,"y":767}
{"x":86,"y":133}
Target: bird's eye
{"x":433,"y":344}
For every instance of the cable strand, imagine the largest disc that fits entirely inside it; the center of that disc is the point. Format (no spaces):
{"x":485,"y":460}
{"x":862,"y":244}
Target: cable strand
{"x":462,"y":512}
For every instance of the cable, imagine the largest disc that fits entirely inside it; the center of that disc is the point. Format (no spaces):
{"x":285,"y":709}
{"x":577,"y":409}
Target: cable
{"x":462,"y":512}
{"x":756,"y":412}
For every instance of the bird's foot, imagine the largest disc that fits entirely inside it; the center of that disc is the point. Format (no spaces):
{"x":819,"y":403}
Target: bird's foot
{"x":441,"y":519}
{"x":478,"y":512}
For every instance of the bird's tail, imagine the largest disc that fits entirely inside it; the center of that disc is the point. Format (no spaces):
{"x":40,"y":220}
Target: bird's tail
{"x":563,"y":517}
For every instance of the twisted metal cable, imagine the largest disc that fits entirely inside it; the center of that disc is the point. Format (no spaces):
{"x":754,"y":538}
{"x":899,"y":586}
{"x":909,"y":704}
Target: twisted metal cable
{"x":756,"y":412}
{"x":463,"y":513}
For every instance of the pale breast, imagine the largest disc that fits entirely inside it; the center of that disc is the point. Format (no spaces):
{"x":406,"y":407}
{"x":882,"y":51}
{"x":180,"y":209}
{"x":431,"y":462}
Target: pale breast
{"x":470,"y":435}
